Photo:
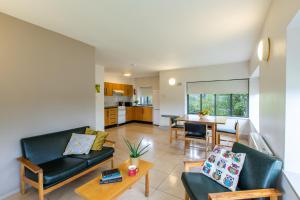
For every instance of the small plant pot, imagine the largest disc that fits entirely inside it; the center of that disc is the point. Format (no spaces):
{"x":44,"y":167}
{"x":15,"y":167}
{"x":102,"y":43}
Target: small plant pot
{"x":135,"y":162}
{"x":203,"y":116}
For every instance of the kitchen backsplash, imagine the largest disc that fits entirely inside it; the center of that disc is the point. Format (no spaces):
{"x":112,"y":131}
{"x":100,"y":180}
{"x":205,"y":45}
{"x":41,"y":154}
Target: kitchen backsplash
{"x":113,"y":100}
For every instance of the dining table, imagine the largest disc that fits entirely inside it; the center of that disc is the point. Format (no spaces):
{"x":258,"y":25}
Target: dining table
{"x":211,"y":121}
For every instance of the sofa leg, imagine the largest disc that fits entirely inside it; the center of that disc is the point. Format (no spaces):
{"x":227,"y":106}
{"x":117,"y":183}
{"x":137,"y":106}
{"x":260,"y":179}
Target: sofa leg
{"x":41,"y":186}
{"x":112,"y":163}
{"x":186,"y":197}
{"x":274,"y":198}
{"x":22,"y":174}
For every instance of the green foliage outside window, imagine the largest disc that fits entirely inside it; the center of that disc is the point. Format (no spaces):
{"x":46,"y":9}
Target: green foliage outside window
{"x":219,"y":104}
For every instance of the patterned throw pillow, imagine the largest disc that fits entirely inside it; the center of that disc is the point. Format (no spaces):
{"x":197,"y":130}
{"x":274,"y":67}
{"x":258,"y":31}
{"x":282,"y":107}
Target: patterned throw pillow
{"x":224,"y":167}
{"x":79,"y":144}
{"x":100,"y":138}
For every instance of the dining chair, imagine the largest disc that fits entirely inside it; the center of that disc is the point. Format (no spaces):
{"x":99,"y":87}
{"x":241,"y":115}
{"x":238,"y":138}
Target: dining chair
{"x":174,"y":128}
{"x":229,"y":133}
{"x":196,"y":132}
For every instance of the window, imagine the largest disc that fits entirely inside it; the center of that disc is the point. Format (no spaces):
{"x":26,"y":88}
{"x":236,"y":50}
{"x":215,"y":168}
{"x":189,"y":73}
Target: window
{"x":219,"y":104}
{"x":220,"y":98}
{"x":145,"y":100}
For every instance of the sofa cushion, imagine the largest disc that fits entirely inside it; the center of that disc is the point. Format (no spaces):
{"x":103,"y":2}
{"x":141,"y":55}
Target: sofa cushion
{"x":198,"y":186}
{"x":79,"y":144}
{"x":44,"y":148}
{"x":59,"y":170}
{"x":224,"y":167}
{"x":259,"y":171}
{"x":95,"y":157}
{"x":226,"y":130}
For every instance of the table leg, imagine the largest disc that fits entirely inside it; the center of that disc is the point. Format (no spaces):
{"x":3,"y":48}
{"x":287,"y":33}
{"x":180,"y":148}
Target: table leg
{"x":147,"y":185}
{"x":213,"y":137}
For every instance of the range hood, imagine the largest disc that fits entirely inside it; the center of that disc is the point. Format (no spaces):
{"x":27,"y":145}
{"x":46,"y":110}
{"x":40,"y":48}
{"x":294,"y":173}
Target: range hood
{"x":118,"y":92}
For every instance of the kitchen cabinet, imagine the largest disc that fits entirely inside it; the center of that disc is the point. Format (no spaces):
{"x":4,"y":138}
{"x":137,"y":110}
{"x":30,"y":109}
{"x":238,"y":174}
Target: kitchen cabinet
{"x":142,"y":113}
{"x":108,"y":89}
{"x":111,"y":116}
{"x":147,"y":114}
{"x":138,"y":113}
{"x":129,"y":114}
{"x":128,"y":90}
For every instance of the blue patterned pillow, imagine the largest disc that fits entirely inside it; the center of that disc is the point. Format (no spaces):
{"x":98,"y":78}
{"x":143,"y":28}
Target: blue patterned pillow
{"x":224,"y":167}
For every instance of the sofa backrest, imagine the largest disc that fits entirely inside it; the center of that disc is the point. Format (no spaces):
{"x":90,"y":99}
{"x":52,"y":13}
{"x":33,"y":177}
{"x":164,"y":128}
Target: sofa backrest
{"x":44,"y":148}
{"x":259,"y":171}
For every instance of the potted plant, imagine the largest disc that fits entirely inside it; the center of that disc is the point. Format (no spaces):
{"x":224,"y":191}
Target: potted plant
{"x":136,"y":151}
{"x":204,"y":113}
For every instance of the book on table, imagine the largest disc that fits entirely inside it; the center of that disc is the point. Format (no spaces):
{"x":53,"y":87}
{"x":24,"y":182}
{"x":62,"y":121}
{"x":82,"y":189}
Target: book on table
{"x":111,"y":176}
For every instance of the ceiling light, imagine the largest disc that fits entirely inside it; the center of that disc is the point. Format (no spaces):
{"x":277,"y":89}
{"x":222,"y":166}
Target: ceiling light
{"x":263,"y":50}
{"x":172,"y":81}
{"x":127,"y":74}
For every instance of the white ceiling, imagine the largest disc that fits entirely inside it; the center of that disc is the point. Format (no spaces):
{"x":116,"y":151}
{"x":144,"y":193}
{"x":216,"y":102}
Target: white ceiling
{"x":153,"y":34}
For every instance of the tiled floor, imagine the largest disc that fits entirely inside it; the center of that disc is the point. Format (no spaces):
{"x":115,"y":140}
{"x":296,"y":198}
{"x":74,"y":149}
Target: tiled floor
{"x":165,"y":183}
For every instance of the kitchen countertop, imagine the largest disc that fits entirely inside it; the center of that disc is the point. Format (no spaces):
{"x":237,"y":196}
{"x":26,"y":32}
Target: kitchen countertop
{"x":107,"y":107}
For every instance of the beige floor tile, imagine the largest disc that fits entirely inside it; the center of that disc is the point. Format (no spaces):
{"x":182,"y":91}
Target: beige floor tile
{"x":158,"y":195}
{"x":172,"y":186}
{"x":156,"y":178}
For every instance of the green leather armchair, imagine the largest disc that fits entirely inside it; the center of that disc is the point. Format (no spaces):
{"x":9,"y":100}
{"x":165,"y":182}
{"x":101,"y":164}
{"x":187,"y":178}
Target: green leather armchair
{"x":257,"y":179}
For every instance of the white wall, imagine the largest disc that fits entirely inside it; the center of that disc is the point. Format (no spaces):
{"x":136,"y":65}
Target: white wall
{"x":99,"y":79}
{"x":272,"y":80}
{"x":292,"y":135}
{"x":173,"y":98}
{"x":46,"y":84}
{"x":152,"y":82}
{"x":254,"y":100}
{"x":117,"y":78}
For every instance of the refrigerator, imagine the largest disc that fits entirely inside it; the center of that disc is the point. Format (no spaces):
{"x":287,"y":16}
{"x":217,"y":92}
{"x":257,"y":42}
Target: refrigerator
{"x":156,"y":109}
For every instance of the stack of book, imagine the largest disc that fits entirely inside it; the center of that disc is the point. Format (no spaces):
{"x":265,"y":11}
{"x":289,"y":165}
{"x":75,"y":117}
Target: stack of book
{"x":111,"y":176}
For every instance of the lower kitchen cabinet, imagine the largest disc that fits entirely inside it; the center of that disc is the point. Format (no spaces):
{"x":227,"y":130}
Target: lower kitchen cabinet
{"x":147,"y":114}
{"x":129,"y":114}
{"x":110,"y":116}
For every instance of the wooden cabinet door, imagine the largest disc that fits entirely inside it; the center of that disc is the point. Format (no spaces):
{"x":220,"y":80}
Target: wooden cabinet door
{"x":138,"y":113}
{"x":108,"y":89}
{"x":147,"y":114}
{"x":106,"y":117}
{"x":130,"y":90}
{"x":129,"y":114}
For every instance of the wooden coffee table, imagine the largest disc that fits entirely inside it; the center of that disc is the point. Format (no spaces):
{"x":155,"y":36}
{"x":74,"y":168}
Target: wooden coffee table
{"x":92,"y":190}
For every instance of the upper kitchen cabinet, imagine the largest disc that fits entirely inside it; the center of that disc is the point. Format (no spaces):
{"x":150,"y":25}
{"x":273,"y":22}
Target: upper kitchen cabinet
{"x":108,"y":89}
{"x":128,"y":90}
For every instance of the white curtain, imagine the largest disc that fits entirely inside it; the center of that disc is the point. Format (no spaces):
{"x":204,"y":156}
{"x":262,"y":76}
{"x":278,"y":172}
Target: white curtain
{"x":218,"y":87}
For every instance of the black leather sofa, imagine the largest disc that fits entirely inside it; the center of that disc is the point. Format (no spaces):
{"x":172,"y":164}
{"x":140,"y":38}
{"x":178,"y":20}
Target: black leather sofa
{"x":44,"y":167}
{"x":257,"y":180}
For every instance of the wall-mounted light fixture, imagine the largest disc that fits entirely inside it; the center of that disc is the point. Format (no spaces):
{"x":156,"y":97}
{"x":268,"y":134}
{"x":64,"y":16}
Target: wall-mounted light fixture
{"x":127,"y":74}
{"x":172,"y":81}
{"x":263,"y":50}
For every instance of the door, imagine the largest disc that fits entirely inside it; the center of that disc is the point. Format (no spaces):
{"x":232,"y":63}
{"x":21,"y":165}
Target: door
{"x":147,"y":114}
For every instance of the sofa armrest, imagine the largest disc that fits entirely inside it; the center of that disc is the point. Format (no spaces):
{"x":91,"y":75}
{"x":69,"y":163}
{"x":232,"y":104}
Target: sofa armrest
{"x":188,"y":164}
{"x":246,"y":194}
{"x":29,"y":165}
{"x":112,"y":143}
